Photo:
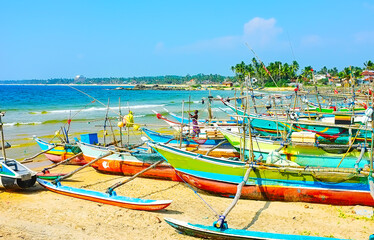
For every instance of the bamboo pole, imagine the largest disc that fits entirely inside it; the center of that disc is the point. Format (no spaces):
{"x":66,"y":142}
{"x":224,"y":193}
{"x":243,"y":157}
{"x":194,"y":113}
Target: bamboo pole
{"x":221,"y":220}
{"x":120,"y":119}
{"x":27,"y":160}
{"x":106,"y":119}
{"x":215,"y":147}
{"x":63,"y":162}
{"x":80,"y":168}
{"x":182,"y":124}
{"x":2,"y":136}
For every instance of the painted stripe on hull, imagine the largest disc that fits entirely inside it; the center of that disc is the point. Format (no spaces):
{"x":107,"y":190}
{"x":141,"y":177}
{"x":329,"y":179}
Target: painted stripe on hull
{"x":137,"y":204}
{"x":282,"y":193}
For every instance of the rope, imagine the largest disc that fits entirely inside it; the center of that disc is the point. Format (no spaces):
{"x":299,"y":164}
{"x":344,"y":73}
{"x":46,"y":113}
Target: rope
{"x":73,"y":117}
{"x":95,"y":100}
{"x":350,"y":146}
{"x":206,"y":203}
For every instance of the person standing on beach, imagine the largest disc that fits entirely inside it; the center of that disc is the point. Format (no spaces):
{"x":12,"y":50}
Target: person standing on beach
{"x":195,"y":128}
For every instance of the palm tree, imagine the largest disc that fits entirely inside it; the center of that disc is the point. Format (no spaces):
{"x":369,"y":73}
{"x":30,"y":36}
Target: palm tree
{"x":294,"y":68}
{"x":369,"y":65}
{"x":307,"y":73}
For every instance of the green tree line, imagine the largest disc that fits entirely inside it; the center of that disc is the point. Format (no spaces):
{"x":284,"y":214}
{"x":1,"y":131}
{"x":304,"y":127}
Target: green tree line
{"x":281,"y":74}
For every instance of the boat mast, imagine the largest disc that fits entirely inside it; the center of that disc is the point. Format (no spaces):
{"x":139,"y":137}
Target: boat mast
{"x":2,"y":136}
{"x":372,"y":135}
{"x":210,"y":116}
{"x":181,"y":133}
{"x":120,"y":119}
{"x":317,"y":93}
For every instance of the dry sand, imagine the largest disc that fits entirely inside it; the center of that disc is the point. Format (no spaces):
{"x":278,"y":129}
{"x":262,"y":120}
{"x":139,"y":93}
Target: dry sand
{"x":37,"y":213}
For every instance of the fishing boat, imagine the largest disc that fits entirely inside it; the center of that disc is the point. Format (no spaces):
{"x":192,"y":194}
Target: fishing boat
{"x":127,"y":162}
{"x":111,"y":199}
{"x":303,"y":149}
{"x":224,"y":150}
{"x":206,"y":131}
{"x":61,"y":152}
{"x":187,"y":141}
{"x":13,"y":174}
{"x":270,"y":182}
{"x":328,"y":130}
{"x":110,"y":196}
{"x":212,"y":232}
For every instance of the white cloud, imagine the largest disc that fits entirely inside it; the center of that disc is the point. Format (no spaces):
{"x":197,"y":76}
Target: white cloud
{"x":261,"y":31}
{"x":258,"y":32}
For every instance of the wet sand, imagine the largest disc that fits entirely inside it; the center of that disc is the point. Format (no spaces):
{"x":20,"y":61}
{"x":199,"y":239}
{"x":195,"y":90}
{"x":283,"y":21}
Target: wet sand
{"x":37,"y":213}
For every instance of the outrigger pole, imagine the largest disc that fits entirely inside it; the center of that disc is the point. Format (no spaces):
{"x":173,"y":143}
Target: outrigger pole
{"x":110,"y":189}
{"x":80,"y":168}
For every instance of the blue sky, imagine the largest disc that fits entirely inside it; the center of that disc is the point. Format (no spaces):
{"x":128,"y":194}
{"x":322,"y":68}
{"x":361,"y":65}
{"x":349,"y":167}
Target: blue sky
{"x":53,"y":39}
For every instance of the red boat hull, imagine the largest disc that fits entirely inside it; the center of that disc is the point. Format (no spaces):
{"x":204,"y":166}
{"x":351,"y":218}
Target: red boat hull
{"x":162,"y":171}
{"x":280,"y":193}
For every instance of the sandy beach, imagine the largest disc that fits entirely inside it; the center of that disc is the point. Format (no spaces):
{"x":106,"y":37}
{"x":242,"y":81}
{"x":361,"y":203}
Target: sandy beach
{"x":37,"y":213}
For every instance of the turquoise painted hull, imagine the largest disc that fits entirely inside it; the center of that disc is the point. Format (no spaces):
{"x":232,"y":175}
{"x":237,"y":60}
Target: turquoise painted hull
{"x":266,"y":126}
{"x":303,"y":155}
{"x":210,"y":232}
{"x":318,"y":185}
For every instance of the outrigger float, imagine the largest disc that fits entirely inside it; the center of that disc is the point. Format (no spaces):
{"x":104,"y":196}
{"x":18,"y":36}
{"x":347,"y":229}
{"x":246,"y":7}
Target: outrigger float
{"x":110,"y":196}
{"x":12,"y":173}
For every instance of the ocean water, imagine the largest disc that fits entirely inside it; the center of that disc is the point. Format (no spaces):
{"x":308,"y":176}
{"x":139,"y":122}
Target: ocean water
{"x":43,"y":109}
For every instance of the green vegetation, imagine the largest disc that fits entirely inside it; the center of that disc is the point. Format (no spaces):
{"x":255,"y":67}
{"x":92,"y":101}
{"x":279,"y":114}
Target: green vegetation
{"x":281,"y":74}
{"x":274,"y":74}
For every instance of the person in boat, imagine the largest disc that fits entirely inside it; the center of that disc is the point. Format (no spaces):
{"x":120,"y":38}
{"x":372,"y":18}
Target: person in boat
{"x":195,"y":125}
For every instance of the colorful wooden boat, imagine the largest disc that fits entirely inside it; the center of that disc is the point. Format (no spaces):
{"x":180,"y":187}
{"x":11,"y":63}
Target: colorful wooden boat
{"x":211,"y":232}
{"x":15,"y":175}
{"x":120,"y":201}
{"x":127,"y":163}
{"x":186,"y":142}
{"x":304,"y":154}
{"x":207,"y":130}
{"x":60,"y":153}
{"x":305,"y":184}
{"x":224,"y":150}
{"x":220,"y":123}
{"x":267,"y":125}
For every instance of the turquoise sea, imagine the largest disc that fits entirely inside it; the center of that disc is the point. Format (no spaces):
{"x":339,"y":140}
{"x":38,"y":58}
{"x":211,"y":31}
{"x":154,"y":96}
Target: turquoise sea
{"x":42,"y":109}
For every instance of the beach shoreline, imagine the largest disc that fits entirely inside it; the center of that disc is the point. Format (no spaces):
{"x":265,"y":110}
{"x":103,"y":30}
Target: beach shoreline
{"x":203,"y":87}
{"x":37,"y":213}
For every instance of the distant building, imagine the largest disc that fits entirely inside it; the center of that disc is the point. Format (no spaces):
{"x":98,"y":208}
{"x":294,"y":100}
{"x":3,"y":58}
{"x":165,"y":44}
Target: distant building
{"x":191,"y":82}
{"x":228,"y":83}
{"x":79,"y":78}
{"x":368,"y":76}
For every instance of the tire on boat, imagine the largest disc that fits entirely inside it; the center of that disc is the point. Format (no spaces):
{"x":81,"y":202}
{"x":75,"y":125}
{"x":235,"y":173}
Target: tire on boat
{"x":26,"y":183}
{"x":13,"y":183}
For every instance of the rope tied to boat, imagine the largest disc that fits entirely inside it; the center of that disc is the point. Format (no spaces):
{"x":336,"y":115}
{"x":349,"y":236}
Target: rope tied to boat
{"x":195,"y":191}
